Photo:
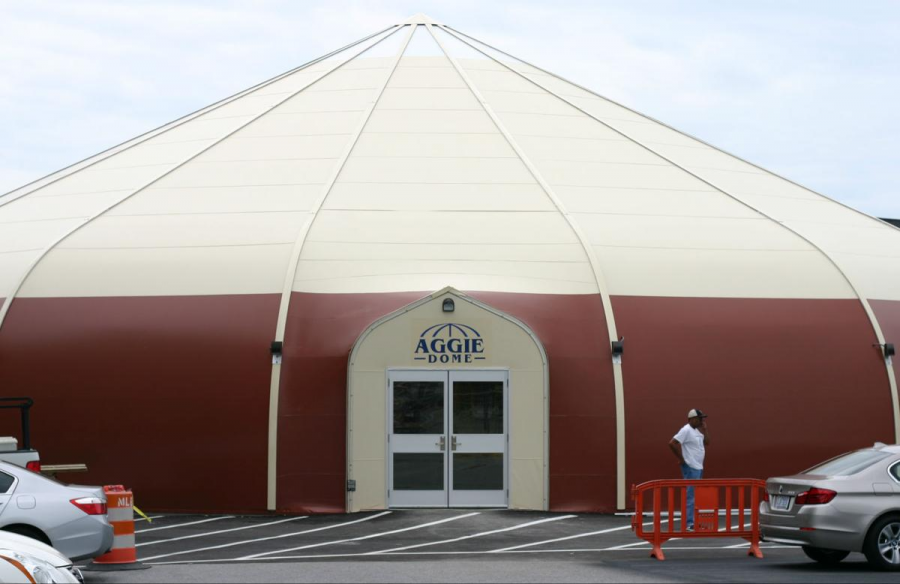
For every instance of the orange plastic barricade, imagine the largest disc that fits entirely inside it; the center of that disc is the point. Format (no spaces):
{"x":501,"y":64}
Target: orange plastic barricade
{"x":718,"y":504}
{"x":123,"y":555}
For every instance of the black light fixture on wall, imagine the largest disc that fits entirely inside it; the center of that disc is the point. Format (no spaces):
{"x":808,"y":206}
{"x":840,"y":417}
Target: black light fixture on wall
{"x":887,"y":348}
{"x":276,"y":350}
{"x":448,"y":305}
{"x":618,"y":347}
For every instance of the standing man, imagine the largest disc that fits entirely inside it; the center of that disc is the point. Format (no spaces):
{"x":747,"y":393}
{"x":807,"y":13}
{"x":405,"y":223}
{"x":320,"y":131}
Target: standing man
{"x":689,"y":446}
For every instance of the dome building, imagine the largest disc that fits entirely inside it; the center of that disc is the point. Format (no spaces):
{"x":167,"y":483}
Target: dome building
{"x":420,"y":272}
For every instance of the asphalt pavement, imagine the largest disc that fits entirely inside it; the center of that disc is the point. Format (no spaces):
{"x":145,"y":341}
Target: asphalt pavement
{"x":451,"y":545}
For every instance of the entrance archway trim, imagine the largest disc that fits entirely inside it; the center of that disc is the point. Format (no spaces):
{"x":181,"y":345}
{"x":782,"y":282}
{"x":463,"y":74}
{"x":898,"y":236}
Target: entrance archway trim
{"x":449,"y":290}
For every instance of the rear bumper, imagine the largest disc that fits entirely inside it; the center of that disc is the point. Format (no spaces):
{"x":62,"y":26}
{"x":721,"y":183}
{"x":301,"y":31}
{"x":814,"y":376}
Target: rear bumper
{"x":85,"y":538}
{"x":821,"y":527}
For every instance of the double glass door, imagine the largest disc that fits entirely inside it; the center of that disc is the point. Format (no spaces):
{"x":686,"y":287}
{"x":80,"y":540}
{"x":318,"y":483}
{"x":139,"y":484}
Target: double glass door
{"x":447,"y":439}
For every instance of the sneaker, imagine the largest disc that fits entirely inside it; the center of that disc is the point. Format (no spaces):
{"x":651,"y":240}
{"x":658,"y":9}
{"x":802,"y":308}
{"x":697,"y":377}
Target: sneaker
{"x":690,"y":528}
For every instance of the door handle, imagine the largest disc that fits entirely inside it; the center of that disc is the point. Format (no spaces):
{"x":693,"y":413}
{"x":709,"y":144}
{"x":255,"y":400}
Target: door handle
{"x":454,"y":443}
{"x":442,"y":443}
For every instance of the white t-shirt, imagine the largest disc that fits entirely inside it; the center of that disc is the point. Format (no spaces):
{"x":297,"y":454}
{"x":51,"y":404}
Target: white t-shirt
{"x":692,"y":447}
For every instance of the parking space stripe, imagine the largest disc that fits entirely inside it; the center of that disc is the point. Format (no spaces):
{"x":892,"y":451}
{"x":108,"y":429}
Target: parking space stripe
{"x":631,"y":545}
{"x":186,"y":524}
{"x":271,"y":537}
{"x":513,"y":528}
{"x":362,"y":538}
{"x":567,"y":538}
{"x":208,"y":533}
{"x":465,"y":553}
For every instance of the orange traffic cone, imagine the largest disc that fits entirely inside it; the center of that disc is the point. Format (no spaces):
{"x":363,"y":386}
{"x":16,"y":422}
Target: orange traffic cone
{"x":123,"y":555}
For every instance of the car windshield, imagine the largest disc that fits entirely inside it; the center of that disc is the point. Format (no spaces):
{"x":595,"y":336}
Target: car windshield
{"x":848,"y":464}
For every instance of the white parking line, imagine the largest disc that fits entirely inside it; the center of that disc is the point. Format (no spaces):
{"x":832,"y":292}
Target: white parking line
{"x":601,"y":532}
{"x":208,"y":533}
{"x":364,"y":537}
{"x":271,"y":537}
{"x":567,"y":538}
{"x":513,"y":528}
{"x":631,"y":545}
{"x":186,"y":524}
{"x":466,"y":553}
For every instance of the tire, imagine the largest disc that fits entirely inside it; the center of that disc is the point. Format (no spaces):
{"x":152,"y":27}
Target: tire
{"x":882,"y":546}
{"x":29,"y":531}
{"x":823,"y":556}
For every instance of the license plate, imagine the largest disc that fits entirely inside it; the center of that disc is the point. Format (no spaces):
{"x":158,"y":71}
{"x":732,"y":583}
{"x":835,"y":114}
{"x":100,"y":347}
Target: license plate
{"x":781,"y":502}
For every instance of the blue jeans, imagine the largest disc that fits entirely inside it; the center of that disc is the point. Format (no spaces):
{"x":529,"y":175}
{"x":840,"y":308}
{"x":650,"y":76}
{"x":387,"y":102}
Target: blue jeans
{"x":688,"y":472}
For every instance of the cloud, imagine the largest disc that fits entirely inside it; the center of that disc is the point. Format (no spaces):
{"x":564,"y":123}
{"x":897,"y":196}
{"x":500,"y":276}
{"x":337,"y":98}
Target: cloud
{"x":810,"y":94}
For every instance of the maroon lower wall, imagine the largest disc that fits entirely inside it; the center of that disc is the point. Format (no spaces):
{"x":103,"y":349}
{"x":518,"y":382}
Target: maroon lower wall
{"x":167,"y":395}
{"x":888,"y":314}
{"x":582,"y":395}
{"x":321,"y":331}
{"x":312,"y":410}
{"x":786,"y":383}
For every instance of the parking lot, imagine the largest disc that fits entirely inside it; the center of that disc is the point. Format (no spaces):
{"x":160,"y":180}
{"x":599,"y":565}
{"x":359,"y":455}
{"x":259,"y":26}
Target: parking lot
{"x":449,"y":545}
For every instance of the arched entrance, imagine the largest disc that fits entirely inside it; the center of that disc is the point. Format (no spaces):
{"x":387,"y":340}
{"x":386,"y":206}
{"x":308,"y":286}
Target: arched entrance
{"x":447,"y":407}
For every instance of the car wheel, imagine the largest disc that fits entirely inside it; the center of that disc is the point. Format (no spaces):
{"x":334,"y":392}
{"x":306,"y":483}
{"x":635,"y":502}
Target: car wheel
{"x":28,"y":531}
{"x":882,"y":547}
{"x":823,"y":556}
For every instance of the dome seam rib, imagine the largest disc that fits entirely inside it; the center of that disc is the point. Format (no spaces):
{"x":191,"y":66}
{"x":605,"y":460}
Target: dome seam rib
{"x":293,"y":266}
{"x":4,"y":309}
{"x":594,"y":263}
{"x":160,"y":130}
{"x":873,"y":320}
{"x":661,"y":123}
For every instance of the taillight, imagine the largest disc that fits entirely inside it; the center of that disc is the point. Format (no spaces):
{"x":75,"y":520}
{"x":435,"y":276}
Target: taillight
{"x":33,"y":466}
{"x":815,"y":496}
{"x":91,"y":505}
{"x":766,"y":496}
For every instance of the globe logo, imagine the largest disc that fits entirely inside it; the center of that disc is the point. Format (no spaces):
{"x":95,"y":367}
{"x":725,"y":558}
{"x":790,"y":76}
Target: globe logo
{"x":450,"y":343}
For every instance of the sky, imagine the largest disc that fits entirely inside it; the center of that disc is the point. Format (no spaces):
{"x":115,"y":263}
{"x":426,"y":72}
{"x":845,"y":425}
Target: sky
{"x":806,"y":89}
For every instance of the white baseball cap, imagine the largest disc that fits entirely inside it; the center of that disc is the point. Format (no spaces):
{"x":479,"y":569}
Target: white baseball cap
{"x":696,"y":413}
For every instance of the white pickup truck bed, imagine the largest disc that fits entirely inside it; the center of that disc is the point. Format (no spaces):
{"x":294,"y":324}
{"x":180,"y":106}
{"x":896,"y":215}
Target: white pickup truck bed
{"x":9,"y":452}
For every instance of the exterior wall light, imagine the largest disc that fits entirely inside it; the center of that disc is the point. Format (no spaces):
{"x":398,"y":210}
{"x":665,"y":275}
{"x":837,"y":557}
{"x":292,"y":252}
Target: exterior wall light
{"x":276,"y":350}
{"x":887,"y":348}
{"x":618,"y":347}
{"x":448,"y":305}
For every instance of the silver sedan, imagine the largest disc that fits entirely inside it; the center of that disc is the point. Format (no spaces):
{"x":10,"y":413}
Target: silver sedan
{"x":848,"y":504}
{"x":72,"y":519}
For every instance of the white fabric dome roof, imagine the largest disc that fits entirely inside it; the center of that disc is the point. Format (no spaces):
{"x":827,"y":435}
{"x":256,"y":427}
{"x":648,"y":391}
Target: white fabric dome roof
{"x":419,"y":158}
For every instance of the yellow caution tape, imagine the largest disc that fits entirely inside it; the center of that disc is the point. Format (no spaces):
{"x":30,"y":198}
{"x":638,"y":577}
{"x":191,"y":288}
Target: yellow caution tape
{"x":141,"y":513}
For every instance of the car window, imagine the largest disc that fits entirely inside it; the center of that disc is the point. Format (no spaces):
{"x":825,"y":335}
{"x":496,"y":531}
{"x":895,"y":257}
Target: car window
{"x":6,"y":482}
{"x":895,"y":470}
{"x":849,"y":464}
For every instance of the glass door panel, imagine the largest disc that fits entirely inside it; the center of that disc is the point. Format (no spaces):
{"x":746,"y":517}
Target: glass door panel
{"x":478,"y":472}
{"x":417,"y":466}
{"x":478,"y":407}
{"x":419,"y":407}
{"x":418,"y":471}
{"x":478,"y":439}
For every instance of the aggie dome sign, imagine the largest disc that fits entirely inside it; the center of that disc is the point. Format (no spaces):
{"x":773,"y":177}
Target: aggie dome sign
{"x":142,"y":291}
{"x":438,"y":345}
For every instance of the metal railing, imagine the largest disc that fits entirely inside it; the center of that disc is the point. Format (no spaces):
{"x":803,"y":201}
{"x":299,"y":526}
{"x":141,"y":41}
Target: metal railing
{"x":24,"y":404}
{"x":717,"y":504}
